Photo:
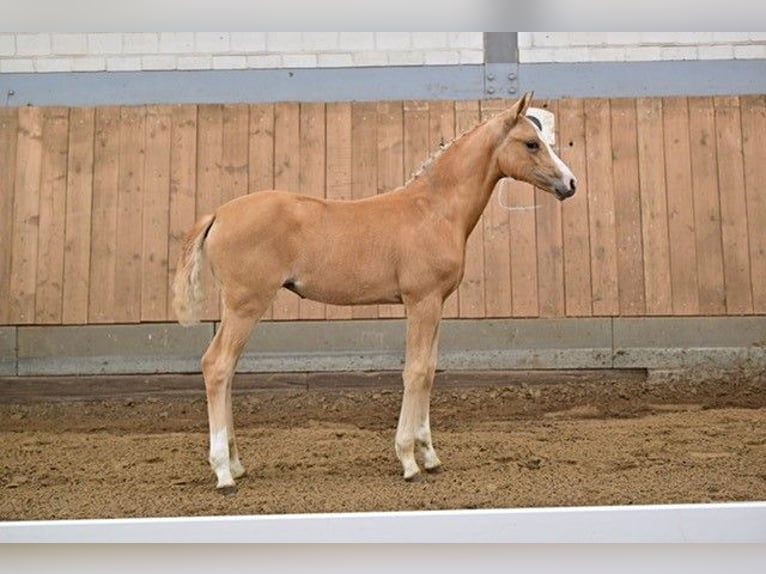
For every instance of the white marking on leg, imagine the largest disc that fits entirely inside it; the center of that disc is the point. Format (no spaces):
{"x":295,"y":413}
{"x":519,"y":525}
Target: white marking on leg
{"x":219,"y":458}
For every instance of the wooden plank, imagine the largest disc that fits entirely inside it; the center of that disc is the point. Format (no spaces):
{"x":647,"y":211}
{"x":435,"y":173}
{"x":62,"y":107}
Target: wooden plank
{"x":574,"y":211}
{"x":338,"y":171}
{"x":26,"y":215}
{"x":441,"y":126}
{"x":520,"y":198}
{"x":183,"y":186}
{"x":471,"y":290}
{"x":8,"y":135}
{"x":753,"y":109}
{"x":77,"y":234}
{"x":707,"y":214}
{"x":312,"y":176}
{"x":678,"y":176}
{"x":654,"y":210}
{"x":364,"y":173}
{"x":550,"y":244}
{"x":627,"y":207}
{"x":106,"y":175}
{"x":603,"y":245}
{"x":390,"y":161}
{"x":129,"y":245}
{"x":209,"y":183}
{"x":50,"y":241}
{"x":734,"y":216}
{"x":497,"y":237}
{"x":235,"y":177}
{"x":156,"y":214}
{"x":287,"y":160}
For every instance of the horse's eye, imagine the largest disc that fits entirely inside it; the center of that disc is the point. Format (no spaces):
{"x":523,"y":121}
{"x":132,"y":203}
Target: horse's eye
{"x":533,"y":145}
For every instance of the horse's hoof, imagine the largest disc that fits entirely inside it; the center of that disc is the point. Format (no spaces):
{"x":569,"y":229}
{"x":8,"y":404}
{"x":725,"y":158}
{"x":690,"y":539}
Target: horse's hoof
{"x":438,"y":469}
{"x":227,"y":490}
{"x":417,"y":477}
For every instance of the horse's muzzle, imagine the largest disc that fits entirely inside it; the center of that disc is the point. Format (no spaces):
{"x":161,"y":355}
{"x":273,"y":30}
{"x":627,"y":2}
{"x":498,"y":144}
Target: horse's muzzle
{"x":563,"y":193}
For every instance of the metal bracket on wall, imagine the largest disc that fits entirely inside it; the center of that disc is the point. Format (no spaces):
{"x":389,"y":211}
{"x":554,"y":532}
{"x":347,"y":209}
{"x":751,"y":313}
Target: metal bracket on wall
{"x":501,"y":80}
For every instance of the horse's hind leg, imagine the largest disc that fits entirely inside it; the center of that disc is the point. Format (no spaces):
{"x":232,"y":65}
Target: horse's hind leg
{"x":218,"y":365}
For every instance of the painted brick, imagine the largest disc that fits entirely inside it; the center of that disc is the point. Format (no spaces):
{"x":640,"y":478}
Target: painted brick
{"x":319,"y":41}
{"x":756,"y":36}
{"x":356,"y":41}
{"x":623,"y":38}
{"x":7,"y":45}
{"x":299,"y":60}
{"x":161,"y":62}
{"x":668,"y":38}
{"x":177,"y":42}
{"x":429,"y":40}
{"x":363,"y":59}
{"x":334,"y":60}
{"x":17,"y":65}
{"x":722,"y":52}
{"x":442,"y":57}
{"x":393,"y":40}
{"x":211,"y":42}
{"x":607,"y":54}
{"x":678,"y":52}
{"x":229,"y":62}
{"x":264,"y":61}
{"x":588,"y":38}
{"x":466,"y":40}
{"x":88,"y":64}
{"x":284,"y":42}
{"x":550,"y":39}
{"x":730,"y":37}
{"x":641,"y":53}
{"x":750,"y":51}
{"x":66,"y":44}
{"x":406,"y":58}
{"x":580,"y":54}
{"x":471,"y":56}
{"x":535,"y":55}
{"x":53,"y":64}
{"x":123,"y":63}
{"x":194,"y":62}
{"x":33,"y":44}
{"x":104,"y":43}
{"x":248,"y":42}
{"x":140,"y":43}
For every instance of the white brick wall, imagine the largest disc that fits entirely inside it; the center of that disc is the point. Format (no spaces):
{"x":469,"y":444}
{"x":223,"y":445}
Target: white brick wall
{"x":635,"y":46}
{"x":233,"y":50}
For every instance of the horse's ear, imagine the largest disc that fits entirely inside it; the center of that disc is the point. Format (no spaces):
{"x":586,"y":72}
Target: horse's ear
{"x":519,"y":109}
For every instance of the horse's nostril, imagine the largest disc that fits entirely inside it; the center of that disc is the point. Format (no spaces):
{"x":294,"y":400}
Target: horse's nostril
{"x":572,"y":185}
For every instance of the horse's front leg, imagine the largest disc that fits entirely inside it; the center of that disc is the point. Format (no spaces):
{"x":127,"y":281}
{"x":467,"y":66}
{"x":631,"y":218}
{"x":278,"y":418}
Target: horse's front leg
{"x":413,"y":430}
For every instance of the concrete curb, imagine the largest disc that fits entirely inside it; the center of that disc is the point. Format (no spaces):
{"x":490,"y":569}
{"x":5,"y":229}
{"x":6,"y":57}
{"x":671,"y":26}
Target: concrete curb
{"x":378,"y":345}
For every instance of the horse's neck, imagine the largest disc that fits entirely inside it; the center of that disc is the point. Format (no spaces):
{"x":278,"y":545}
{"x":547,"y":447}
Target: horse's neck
{"x":463,"y":176}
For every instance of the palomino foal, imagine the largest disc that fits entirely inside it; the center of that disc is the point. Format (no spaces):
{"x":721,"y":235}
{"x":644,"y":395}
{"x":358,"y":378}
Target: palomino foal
{"x":405,"y":246}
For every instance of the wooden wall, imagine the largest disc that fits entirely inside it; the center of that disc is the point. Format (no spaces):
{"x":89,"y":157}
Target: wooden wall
{"x":669,"y":218}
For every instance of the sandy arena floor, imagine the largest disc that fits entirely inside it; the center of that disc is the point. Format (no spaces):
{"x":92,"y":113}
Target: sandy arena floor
{"x":137,"y":446}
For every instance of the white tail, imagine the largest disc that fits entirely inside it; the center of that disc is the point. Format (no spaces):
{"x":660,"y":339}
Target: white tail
{"x":187,"y":286}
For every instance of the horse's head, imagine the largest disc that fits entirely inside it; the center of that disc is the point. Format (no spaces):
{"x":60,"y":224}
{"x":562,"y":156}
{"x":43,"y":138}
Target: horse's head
{"x":524,"y":155}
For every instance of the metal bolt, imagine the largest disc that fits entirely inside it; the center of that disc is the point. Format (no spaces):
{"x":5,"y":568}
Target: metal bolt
{"x":491,"y":77}
{"x":490,"y":90}
{"x":511,"y":90}
{"x":511,"y":76}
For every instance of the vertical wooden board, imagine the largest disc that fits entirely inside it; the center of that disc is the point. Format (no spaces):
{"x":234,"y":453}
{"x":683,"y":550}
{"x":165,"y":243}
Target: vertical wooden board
{"x":497,"y":238}
{"x":129,"y":245}
{"x":753,"y":109}
{"x":550,"y":243}
{"x":441,"y":125}
{"x":287,"y":162}
{"x":156,"y":214}
{"x":8,"y":136}
{"x":209,"y":182}
{"x":603,"y":246}
{"x":106,"y":176}
{"x":417,"y":145}
{"x":183,"y":186}
{"x":520,"y":198}
{"x":707,"y":214}
{"x":678,"y":177}
{"x":312,"y":176}
{"x":627,"y":207}
{"x":77,"y":233}
{"x":731,"y":187}
{"x":390,"y":161}
{"x":364,"y":173}
{"x":471,"y":290}
{"x":338,"y":170}
{"x":26,"y":215}
{"x":574,"y":211}
{"x":654,"y":210}
{"x":235,"y":178}
{"x":261,"y":148}
{"x":50,"y":242}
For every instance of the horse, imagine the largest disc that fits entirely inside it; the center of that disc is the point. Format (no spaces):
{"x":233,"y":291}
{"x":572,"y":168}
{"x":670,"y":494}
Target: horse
{"x":406,"y":246}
